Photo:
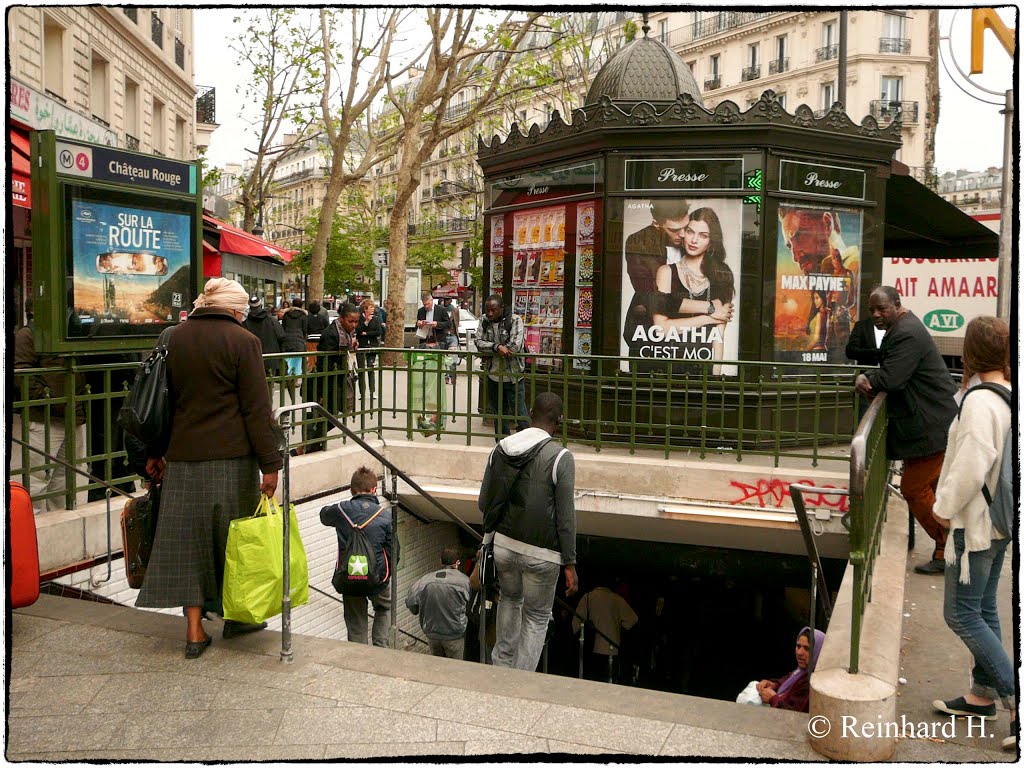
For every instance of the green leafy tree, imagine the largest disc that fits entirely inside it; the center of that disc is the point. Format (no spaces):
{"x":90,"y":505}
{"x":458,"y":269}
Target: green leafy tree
{"x":463,"y":52}
{"x":274,"y":48}
{"x":427,"y":252}
{"x":352,"y":239}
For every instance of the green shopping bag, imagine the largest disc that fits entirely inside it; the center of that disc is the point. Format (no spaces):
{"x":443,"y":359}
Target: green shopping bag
{"x":253,"y":569}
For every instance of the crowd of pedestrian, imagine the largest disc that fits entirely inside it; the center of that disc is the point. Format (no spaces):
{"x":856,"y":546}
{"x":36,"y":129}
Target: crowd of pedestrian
{"x":223,"y":452}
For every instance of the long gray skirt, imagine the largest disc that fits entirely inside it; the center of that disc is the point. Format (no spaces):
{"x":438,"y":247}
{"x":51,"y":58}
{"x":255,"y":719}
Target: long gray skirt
{"x":198,"y":501}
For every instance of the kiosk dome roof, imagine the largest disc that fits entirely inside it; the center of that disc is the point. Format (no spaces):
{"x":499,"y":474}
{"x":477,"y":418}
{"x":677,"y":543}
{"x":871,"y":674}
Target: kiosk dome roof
{"x":645,"y":70}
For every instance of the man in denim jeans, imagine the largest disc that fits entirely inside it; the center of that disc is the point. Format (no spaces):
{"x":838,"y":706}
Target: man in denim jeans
{"x":500,"y":344}
{"x":527,"y":501}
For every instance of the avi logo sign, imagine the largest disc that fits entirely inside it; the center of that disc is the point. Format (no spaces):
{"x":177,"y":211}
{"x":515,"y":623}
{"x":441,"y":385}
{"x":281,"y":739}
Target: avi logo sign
{"x":943,"y":320}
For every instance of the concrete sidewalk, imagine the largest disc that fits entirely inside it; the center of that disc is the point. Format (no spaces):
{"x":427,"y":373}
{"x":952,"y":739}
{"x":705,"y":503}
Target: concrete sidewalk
{"x":93,"y":681}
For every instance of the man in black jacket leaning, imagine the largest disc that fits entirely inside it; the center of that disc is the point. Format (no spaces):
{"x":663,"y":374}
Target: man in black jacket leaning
{"x":920,"y":408}
{"x":527,"y":501}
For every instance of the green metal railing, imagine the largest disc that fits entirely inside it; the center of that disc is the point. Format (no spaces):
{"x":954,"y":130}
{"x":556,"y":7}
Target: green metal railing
{"x":869,"y":490}
{"x":777,"y":410}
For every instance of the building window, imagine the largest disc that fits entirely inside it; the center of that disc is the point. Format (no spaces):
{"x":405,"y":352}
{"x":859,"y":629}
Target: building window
{"x":828,"y":96}
{"x":780,"y":62}
{"x":663,"y":31}
{"x":828,"y":34}
{"x":131,"y":113}
{"x":159,"y":139}
{"x":692,"y":65}
{"x":782,"y":100}
{"x":179,"y":139}
{"x":894,"y":26}
{"x":53,"y":57}
{"x":714,"y":63}
{"x":892,"y":89}
{"x":753,"y":55}
{"x":99,"y":88}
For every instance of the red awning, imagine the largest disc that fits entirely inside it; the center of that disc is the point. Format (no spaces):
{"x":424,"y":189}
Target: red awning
{"x":211,"y":261}
{"x":241,"y":243}
{"x":21,"y":169}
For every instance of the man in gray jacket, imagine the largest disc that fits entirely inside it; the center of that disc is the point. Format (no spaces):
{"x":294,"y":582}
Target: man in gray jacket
{"x":527,"y":502}
{"x":501,"y":344}
{"x":440,"y":599}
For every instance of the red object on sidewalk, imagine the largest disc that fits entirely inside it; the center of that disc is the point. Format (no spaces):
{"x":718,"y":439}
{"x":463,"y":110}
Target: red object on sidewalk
{"x":24,"y":554}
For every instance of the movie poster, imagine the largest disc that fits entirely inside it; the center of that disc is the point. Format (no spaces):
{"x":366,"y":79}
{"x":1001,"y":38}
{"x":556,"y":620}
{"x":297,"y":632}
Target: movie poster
{"x":131,"y":267}
{"x":817,"y":284}
{"x":680,"y":283}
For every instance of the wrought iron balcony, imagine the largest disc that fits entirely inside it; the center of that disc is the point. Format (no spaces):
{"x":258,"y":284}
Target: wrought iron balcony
{"x":826,"y":53}
{"x":206,"y":104}
{"x":884,"y":111}
{"x":132,"y":13}
{"x":157,"y":30}
{"x":131,"y":142}
{"x":712,"y":83}
{"x":457,"y":111}
{"x":778,"y":66}
{"x":751,"y":73}
{"x":179,"y":53}
{"x":893,"y":45}
{"x":719,"y":22}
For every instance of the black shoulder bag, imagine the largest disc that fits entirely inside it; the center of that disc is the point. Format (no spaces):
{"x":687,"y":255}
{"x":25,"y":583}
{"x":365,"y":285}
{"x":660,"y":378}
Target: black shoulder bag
{"x":146,"y":413}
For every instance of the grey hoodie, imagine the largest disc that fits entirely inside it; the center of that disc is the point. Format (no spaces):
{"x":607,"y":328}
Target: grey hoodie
{"x":540,"y":518}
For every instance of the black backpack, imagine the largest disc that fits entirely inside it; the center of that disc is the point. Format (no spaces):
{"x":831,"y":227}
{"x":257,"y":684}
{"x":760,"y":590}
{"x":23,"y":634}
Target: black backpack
{"x":356,"y":572}
{"x":1002,"y":508}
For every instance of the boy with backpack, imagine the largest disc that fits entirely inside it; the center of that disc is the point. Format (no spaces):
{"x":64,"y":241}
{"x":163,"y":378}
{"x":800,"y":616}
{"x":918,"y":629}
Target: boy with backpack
{"x":367,"y":555}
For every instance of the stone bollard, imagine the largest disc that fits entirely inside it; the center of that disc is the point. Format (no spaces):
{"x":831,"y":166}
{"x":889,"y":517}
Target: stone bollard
{"x":852,"y":715}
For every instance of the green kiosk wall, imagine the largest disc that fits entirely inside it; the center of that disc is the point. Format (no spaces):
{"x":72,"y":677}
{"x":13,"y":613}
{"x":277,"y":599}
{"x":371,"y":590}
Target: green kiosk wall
{"x":117,"y":245}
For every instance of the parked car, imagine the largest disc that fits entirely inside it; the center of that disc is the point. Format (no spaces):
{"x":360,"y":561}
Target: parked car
{"x":469,"y":327}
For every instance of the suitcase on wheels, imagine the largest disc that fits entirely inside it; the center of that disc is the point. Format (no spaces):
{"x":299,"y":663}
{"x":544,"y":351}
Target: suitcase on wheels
{"x":24,"y":552}
{"x":138,"y":528}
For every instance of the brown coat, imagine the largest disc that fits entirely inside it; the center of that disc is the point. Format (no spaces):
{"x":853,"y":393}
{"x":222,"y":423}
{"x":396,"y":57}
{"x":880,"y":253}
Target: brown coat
{"x":222,"y":406}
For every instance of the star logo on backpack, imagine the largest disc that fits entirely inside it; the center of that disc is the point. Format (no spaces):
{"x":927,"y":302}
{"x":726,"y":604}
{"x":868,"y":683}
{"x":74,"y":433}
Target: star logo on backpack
{"x":358,"y":565}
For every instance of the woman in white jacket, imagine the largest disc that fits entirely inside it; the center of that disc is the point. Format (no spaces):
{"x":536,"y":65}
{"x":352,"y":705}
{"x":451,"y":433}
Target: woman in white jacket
{"x":974,"y":562}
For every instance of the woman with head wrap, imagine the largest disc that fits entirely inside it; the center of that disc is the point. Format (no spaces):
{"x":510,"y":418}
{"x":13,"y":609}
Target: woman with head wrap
{"x":793,"y":691}
{"x":222,"y":437}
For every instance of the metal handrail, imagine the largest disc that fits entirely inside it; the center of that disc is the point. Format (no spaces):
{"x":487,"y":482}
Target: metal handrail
{"x":111,"y":489}
{"x":279,"y":413}
{"x":856,"y":491}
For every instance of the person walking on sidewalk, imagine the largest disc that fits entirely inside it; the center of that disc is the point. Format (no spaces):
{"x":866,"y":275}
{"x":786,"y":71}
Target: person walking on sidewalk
{"x":441,"y":600}
{"x":222,"y":437}
{"x":920,"y":408}
{"x":295,"y":322}
{"x":974,"y":460}
{"x":526,"y":498}
{"x":267,"y":328}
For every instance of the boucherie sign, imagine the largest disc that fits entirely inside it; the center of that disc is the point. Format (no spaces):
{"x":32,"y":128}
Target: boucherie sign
{"x":818,"y":179}
{"x":704,"y":174}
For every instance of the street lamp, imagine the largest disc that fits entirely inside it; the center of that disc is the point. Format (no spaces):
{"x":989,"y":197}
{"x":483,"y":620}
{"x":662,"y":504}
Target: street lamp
{"x":302,"y":235}
{"x":459,"y":186}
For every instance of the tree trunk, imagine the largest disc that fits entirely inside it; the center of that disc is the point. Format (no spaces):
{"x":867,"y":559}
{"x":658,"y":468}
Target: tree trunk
{"x":318,"y":256}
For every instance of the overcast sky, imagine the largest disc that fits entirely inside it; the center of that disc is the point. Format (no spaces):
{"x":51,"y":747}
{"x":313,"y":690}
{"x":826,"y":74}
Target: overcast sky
{"x":970,"y":132}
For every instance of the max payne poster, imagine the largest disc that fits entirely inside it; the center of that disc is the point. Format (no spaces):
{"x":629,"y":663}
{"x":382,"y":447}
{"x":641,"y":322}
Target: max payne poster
{"x":817,"y":282}
{"x":130,"y":268}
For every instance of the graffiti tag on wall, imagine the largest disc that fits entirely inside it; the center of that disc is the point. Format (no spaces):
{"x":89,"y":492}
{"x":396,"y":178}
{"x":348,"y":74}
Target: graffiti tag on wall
{"x":772,"y":492}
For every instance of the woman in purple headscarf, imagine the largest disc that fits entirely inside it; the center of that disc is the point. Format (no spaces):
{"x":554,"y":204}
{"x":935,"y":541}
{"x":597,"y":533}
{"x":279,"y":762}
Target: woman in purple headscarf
{"x":793,"y":691}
